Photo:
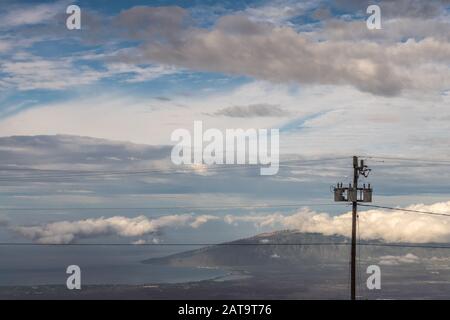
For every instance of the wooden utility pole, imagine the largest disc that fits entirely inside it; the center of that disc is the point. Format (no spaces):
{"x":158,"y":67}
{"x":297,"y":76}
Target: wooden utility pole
{"x":354,"y":194}
{"x":354,"y":213}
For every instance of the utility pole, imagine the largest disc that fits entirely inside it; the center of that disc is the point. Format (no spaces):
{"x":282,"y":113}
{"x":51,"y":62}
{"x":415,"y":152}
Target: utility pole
{"x":354,"y":213}
{"x":354,"y":194}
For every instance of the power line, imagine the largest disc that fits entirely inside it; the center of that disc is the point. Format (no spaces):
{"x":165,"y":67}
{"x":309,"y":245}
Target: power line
{"x":207,"y":172}
{"x":406,"y":210}
{"x":53,"y":173}
{"x":437,"y":161}
{"x":174,"y":244}
{"x":393,"y":245}
{"x":281,"y":163}
{"x":74,"y":174}
{"x":175,"y":207}
{"x":50,"y":173}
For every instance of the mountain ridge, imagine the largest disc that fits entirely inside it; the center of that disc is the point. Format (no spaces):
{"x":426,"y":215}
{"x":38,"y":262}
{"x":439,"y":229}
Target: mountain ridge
{"x":289,"y":247}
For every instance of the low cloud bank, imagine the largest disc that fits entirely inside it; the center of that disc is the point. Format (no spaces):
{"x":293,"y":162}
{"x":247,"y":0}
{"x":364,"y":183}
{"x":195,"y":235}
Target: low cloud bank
{"x":70,"y":231}
{"x":389,"y":226}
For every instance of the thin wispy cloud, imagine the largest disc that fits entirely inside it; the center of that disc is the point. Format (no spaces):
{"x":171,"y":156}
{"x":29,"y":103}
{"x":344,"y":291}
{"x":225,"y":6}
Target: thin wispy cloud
{"x":29,"y":15}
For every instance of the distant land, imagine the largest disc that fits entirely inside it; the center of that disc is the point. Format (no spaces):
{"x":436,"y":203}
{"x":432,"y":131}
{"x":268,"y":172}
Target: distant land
{"x":280,"y":265}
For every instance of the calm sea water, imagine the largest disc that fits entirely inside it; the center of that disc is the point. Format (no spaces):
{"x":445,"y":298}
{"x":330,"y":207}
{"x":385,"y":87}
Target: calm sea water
{"x":99,"y":265}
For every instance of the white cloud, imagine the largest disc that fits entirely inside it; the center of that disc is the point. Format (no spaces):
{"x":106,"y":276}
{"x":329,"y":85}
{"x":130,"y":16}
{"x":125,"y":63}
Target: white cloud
{"x":239,"y":46}
{"x":138,"y":73}
{"x":202,"y":219}
{"x":37,"y":73}
{"x":397,"y":260}
{"x":401,"y":125}
{"x":29,"y":72}
{"x":32,"y":14}
{"x":259,"y":42}
{"x":390,"y":226}
{"x":144,"y":241}
{"x":71,"y":231}
{"x":279,"y":12}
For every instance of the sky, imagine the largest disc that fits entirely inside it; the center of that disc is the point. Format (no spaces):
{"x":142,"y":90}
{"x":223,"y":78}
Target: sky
{"x":138,"y":70}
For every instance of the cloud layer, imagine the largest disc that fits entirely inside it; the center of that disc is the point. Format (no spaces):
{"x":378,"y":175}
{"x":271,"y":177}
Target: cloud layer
{"x":411,"y":52}
{"x":390,"y":226}
{"x":241,"y":46}
{"x":70,"y":231}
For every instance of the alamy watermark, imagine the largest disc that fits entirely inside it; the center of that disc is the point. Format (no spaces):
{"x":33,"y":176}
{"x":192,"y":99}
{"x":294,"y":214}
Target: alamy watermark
{"x":374,"y":20}
{"x":374,"y":280}
{"x":73,"y":21}
{"x":74,"y":280}
{"x":235,"y":146}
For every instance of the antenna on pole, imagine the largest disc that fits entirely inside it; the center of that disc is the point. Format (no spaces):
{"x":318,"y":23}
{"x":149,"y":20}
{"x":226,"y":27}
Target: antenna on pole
{"x":354,"y":194}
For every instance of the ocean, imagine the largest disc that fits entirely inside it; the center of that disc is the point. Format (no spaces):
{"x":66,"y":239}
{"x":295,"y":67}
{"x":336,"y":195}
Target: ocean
{"x":46,"y":265}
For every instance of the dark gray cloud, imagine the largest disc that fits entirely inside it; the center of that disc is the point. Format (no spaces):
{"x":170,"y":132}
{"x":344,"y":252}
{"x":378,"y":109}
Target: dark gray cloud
{"x":86,"y":154}
{"x":251,"y":111}
{"x":73,"y":151}
{"x":152,"y":22}
{"x":162,"y":98}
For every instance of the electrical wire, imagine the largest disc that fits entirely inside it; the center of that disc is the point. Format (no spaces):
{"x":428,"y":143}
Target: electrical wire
{"x":394,"y":245}
{"x":405,"y":210}
{"x":294,"y":205}
{"x":49,"y":173}
{"x":176,"y":244}
{"x":437,"y":161}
